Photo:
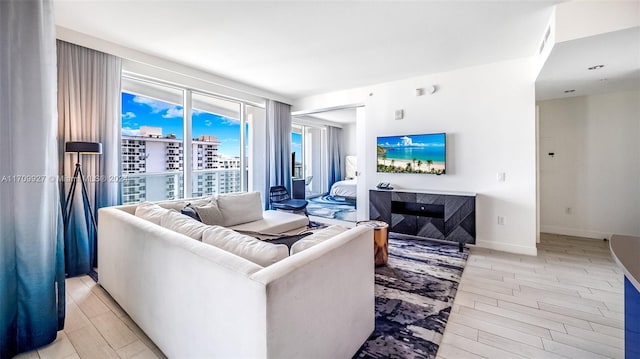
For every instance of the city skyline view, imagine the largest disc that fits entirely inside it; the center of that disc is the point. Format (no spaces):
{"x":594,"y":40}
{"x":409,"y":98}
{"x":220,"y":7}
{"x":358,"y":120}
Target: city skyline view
{"x":140,"y":111}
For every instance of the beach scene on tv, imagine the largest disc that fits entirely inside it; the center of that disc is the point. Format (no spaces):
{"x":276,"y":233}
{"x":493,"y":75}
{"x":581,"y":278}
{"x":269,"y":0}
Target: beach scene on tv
{"x":412,"y":154}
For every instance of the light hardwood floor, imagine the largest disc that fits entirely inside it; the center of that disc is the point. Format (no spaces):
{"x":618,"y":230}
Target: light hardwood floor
{"x":96,"y":327}
{"x":566,"y":302}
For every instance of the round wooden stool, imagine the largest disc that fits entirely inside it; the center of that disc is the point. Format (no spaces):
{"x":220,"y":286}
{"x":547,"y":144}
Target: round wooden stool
{"x":380,"y":240}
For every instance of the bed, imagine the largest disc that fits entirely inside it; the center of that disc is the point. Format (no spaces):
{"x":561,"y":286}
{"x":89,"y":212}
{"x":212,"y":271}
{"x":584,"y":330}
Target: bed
{"x":348,"y":187}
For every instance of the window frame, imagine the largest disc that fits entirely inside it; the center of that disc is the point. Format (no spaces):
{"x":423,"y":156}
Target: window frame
{"x":187,"y":141}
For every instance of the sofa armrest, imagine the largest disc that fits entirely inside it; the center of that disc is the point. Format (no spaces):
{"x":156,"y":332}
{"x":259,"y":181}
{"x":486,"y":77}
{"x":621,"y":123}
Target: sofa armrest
{"x":321,"y":302}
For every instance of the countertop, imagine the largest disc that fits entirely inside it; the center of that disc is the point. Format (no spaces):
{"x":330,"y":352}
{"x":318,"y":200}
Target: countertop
{"x":626,"y":251}
{"x":427,"y":191}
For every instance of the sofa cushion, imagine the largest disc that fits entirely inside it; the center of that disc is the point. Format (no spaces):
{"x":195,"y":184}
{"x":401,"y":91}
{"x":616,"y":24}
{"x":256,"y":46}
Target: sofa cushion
{"x":175,"y":205}
{"x":275,"y":222}
{"x":240,"y":208}
{"x":178,"y":205}
{"x":181,"y":223}
{"x":209,"y":213}
{"x":318,"y":237}
{"x":150,"y":211}
{"x":249,"y":248}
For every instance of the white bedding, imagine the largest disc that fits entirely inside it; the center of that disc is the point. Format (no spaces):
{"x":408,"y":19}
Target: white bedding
{"x":346,"y":188}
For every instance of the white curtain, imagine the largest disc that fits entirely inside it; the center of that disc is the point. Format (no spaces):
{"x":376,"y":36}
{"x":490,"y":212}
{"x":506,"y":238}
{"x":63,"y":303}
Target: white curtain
{"x":278,"y":166}
{"x":31,"y":261}
{"x":334,"y":155}
{"x":89,"y":110}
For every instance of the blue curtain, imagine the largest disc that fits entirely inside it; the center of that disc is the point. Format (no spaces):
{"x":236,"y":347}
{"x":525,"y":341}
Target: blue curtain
{"x":334,"y":155}
{"x":32,"y":290}
{"x":278,"y":166}
{"x":89,"y":110}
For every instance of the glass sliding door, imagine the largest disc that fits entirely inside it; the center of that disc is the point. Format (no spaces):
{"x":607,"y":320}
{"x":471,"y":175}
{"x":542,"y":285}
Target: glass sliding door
{"x":217,"y":146}
{"x":151,"y":142}
{"x":297,"y":151}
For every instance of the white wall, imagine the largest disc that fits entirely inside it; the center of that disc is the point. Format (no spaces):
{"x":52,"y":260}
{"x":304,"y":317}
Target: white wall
{"x":488,"y":113}
{"x":578,"y":19}
{"x":349,"y":139}
{"x":596,"y":167}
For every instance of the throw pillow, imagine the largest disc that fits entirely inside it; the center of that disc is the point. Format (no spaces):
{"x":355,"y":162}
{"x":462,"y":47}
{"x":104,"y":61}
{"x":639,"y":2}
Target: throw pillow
{"x":183,"y":224}
{"x":209,"y":213}
{"x":249,"y":248}
{"x":190,"y":211}
{"x":240,"y":208}
{"x":150,"y":211}
{"x":316,"y":238}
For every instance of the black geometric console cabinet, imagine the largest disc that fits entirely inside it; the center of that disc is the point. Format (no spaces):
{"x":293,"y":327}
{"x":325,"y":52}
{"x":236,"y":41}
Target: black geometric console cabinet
{"x":446,"y":216}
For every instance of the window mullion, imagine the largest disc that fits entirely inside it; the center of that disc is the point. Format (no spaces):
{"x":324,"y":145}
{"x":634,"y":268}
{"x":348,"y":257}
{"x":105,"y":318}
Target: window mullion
{"x":243,"y":155}
{"x":187,"y":145}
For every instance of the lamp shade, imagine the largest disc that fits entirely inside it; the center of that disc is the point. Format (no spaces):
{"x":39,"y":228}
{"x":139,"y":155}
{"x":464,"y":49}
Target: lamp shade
{"x":83,"y":147}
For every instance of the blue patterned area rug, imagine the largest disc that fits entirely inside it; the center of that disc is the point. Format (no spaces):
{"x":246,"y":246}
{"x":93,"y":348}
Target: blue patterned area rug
{"x":414,"y":296}
{"x":332,"y":207}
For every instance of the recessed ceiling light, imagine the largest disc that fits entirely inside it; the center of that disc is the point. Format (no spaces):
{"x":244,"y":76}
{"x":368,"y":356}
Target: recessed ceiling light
{"x":597,"y":67}
{"x":569,"y":91}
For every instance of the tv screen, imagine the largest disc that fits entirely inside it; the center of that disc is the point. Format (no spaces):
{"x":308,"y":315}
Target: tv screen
{"x":412,"y":153}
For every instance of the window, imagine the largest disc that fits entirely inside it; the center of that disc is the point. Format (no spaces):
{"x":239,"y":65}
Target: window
{"x":297,"y":151}
{"x":310,"y":159}
{"x":152,"y":133}
{"x":155,"y":133}
{"x":216,"y":129}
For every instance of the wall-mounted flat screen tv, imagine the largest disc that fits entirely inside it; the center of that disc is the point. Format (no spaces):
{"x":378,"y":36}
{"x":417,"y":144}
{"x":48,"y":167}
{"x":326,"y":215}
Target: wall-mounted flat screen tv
{"x":412,"y":153}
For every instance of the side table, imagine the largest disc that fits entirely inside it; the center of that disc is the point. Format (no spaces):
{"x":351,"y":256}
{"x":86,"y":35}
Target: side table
{"x":380,"y":240}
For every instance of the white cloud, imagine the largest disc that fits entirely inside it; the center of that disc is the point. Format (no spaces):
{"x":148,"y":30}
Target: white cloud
{"x":173,"y":112}
{"x":230,"y":121}
{"x":156,"y":106}
{"x":129,"y":115}
{"x":127,"y":131}
{"x":208,"y":123}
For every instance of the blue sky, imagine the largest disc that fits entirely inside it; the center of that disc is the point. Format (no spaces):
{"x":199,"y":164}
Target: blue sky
{"x":428,"y":140}
{"x":142,"y":111}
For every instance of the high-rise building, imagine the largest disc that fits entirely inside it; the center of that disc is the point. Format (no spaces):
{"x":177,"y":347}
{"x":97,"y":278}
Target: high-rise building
{"x":154,"y":165}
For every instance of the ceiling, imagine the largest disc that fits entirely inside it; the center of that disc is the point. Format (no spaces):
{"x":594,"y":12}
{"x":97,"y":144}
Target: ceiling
{"x":567,"y":66}
{"x":301,"y":48}
{"x":342,"y":116}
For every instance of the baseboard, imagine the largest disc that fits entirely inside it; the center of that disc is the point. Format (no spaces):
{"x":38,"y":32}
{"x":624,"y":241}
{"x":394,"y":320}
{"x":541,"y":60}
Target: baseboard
{"x":507,"y":247}
{"x":574,"y":232}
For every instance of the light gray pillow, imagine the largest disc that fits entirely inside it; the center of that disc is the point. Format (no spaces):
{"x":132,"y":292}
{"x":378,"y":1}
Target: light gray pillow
{"x":209,"y":213}
{"x":318,"y":237}
{"x":249,"y":248}
{"x":238,"y":208}
{"x":184,"y":224}
{"x":150,"y":211}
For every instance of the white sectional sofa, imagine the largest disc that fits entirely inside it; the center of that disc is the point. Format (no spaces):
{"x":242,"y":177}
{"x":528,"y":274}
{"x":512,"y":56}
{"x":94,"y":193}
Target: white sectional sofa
{"x":195,"y":300}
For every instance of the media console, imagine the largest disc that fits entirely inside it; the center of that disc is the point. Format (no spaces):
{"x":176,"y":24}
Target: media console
{"x":449,"y":216}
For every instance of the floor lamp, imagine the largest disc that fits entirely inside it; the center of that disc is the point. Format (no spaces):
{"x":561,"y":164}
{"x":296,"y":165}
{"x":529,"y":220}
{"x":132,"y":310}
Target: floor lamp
{"x":89,"y":148}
